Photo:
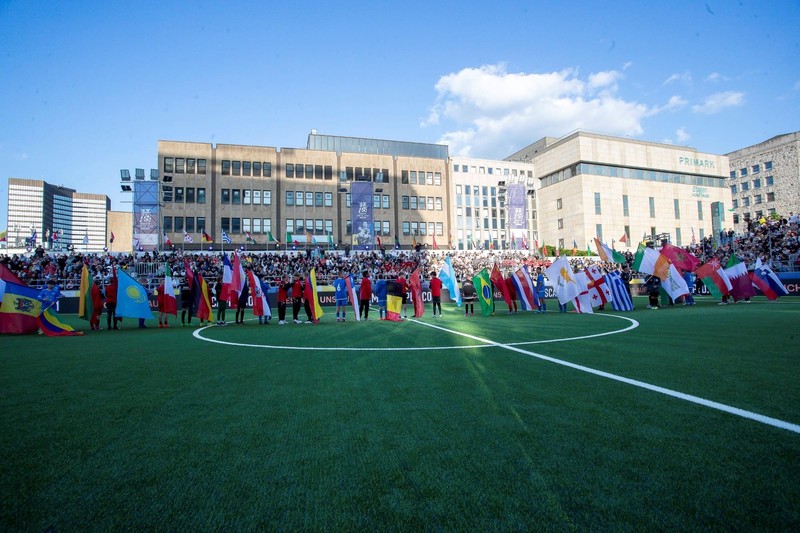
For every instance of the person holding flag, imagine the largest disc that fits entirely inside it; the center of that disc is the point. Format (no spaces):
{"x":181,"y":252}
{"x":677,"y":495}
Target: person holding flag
{"x":436,"y":294}
{"x":469,"y":295}
{"x":379,"y":290}
{"x":364,"y":295}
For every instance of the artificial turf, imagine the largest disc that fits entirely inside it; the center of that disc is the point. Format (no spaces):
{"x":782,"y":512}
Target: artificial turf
{"x":159,"y":429}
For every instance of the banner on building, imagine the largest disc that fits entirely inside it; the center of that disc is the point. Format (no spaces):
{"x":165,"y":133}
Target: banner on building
{"x":361,"y":213}
{"x":145,"y":216}
{"x":517,"y":214}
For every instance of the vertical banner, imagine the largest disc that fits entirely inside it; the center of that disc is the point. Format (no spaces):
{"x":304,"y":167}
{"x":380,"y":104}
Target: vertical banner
{"x":517,"y":216}
{"x":361,"y":205}
{"x":145,"y":216}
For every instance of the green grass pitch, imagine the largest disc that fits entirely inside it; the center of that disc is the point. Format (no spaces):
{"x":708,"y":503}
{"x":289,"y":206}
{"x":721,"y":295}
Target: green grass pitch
{"x":331,"y":427}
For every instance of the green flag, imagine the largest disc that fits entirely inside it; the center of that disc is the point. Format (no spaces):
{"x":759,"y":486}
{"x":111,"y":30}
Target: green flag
{"x":483,"y":286}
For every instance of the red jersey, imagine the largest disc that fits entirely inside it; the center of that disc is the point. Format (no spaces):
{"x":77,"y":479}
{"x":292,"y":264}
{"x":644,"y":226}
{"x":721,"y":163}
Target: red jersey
{"x":436,"y":287}
{"x":365,"y":293}
{"x":512,"y":292}
{"x":297,"y":290}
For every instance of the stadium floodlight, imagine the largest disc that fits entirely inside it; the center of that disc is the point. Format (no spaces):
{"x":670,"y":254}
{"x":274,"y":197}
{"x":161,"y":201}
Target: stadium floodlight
{"x":153,"y":174}
{"x":139,"y":174}
{"x":125,"y":174}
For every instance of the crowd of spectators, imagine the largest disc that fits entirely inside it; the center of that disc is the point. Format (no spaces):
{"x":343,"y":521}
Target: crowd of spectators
{"x":774,"y":241}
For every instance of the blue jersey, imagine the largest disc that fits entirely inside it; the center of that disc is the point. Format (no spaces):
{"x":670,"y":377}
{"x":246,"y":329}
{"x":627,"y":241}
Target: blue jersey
{"x":340,"y":286}
{"x":49,"y":296}
{"x":540,"y":289}
{"x":379,"y":290}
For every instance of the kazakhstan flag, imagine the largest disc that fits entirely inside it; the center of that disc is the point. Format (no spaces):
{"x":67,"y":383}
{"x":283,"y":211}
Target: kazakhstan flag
{"x":132,"y":298}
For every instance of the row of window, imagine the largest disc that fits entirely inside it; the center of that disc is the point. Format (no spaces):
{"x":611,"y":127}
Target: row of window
{"x":256,"y":169}
{"x":598,"y":208}
{"x":757,"y":199}
{"x":189,"y":195}
{"x":311,"y":199}
{"x":630,"y":173}
{"x":745,"y":185}
{"x":414,"y":177}
{"x":677,"y":240}
{"x":184,"y":224}
{"x":755,"y":169}
{"x":422,"y":203}
{"x":245,"y":197}
{"x":476,"y":222}
{"x":491,"y":170}
{"x":423,"y":228}
{"x":477,"y":213}
{"x":184,"y":165}
{"x":748,"y":216}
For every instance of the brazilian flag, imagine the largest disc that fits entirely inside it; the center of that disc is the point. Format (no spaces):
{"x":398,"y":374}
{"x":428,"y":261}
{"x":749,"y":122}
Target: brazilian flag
{"x":483,"y":285}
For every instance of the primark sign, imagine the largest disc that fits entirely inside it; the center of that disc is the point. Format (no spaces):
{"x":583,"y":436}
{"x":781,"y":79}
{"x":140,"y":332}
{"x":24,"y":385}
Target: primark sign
{"x":697,"y":163}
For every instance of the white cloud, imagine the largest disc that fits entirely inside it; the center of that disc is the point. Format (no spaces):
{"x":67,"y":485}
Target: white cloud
{"x":496,"y":112}
{"x":681,"y":135}
{"x":716,"y":76}
{"x":684,"y":77}
{"x":627,"y":65}
{"x":719,"y":101}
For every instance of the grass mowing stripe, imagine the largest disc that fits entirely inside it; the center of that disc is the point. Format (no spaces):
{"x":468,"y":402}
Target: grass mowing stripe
{"x":795,"y":428}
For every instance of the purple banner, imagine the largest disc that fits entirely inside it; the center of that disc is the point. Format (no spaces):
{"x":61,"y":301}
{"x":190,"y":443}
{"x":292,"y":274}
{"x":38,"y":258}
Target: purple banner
{"x":517,"y":216}
{"x":361,"y":212}
{"x":145,"y":216}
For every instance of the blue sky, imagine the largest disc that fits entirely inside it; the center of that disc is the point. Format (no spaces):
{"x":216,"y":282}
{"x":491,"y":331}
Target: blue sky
{"x":90,"y":87}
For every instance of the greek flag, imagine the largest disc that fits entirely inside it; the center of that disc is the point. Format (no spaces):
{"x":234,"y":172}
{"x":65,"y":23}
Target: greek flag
{"x":621,"y":299}
{"x":226,"y":238}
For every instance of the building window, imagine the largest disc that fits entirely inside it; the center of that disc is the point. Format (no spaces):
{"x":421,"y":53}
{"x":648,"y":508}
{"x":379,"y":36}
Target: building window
{"x":437,"y":178}
{"x":267,"y":169}
{"x":167,"y":224}
{"x":735,"y":203}
{"x":559,"y":203}
{"x":746,"y":201}
{"x":677,"y":205}
{"x":756,"y":169}
{"x":289,"y":168}
{"x":256,"y":225}
{"x":309,"y":198}
{"x":178,"y":224}
{"x":236,"y":196}
{"x":745,"y":186}
{"x":677,"y":236}
{"x":757,"y":183}
{"x":757,"y":199}
{"x":179,"y":194}
{"x":168,"y":164}
{"x":299,"y":171}
{"x":256,"y":197}
{"x":699,"y":210}
{"x":328,"y":172}
{"x":189,"y":226}
{"x":560,"y":223}
{"x":318,"y":202}
{"x":257,"y":170}
{"x":225,"y":224}
{"x":768,"y":165}
{"x":247,"y":197}
{"x":743,"y":171}
{"x":201,"y":195}
{"x":236,"y":225}
{"x":180,"y":165}
{"x":597,"y":208}
{"x":627,"y":234}
{"x":625,"y":210}
{"x":309,"y":172}
{"x":769,"y":180}
{"x":328,"y":199}
{"x":376,"y":201}
{"x":189,"y":195}
{"x":770,"y":196}
{"x":652,"y":207}
{"x":733,"y":173}
{"x":266,"y":224}
{"x":598,"y":229}
{"x":237,"y":168}
{"x":201,"y":166}
{"x":412,"y":177}
{"x":406,"y":228}
{"x":438,"y":203}
{"x":329,"y":227}
{"x":289,"y":198}
{"x":404,"y":202}
{"x":404,"y":176}
{"x":733,"y":189}
{"x":413,"y":200}
{"x":246,"y":166}
{"x":226,"y":168}
{"x":267,"y":196}
{"x":201,"y":224}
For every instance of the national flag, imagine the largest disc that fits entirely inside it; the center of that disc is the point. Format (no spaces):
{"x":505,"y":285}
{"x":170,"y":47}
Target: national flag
{"x":3,"y":237}
{"x":513,"y":243}
{"x":289,"y":238}
{"x":599,"y":292}
{"x":415,"y":284}
{"x":311,"y":295}
{"x":414,"y":241}
{"x":741,"y":286}
{"x":575,"y":246}
{"x":166,"y":240}
{"x":19,"y":301}
{"x":713,"y":276}
{"x":524,"y":242}
{"x":187,"y":237}
{"x":483,"y":285}
{"x":378,"y":239}
{"x":12,"y":322}
{"x":649,"y":261}
{"x":352,"y":295}
{"x":435,"y":246}
{"x":85,"y":304}
{"x":620,"y":299}
{"x":85,"y":237}
{"x":111,"y":240}
{"x":563,"y":279}
{"x":608,"y":254}
{"x":189,"y":275}
{"x":500,"y":284}
{"x":170,"y":304}
{"x":264,"y":288}
{"x":273,"y":239}
{"x":448,"y":276}
{"x":52,"y":326}
{"x":624,"y":238}
{"x":680,"y":257}
{"x":583,"y":301}
{"x":394,"y":300}
{"x":227,"y":278}
{"x":207,"y":237}
{"x":767,"y":281}
{"x":226,"y":238}
{"x":203,"y":299}
{"x":694,"y":240}
{"x":32,"y":238}
{"x":330,"y":239}
{"x":249,"y":238}
{"x":237,"y":280}
{"x":526,"y":292}
{"x":675,"y":285}
{"x":132,"y":298}
{"x":396,"y":242}
{"x":310,"y":239}
{"x":260,"y":303}
{"x":450,"y":240}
